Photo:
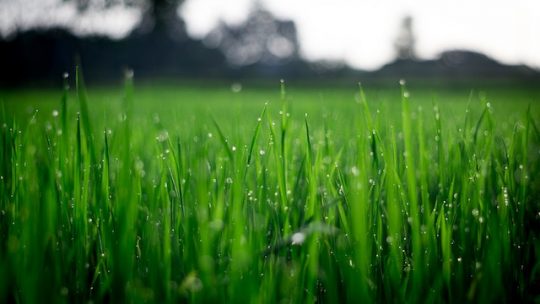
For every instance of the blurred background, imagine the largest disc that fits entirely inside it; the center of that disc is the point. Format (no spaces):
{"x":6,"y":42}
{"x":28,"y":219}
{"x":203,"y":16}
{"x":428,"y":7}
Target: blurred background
{"x":339,"y":40}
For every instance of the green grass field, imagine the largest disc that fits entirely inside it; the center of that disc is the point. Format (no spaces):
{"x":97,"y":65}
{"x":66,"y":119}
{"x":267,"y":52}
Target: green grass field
{"x":194,"y":193}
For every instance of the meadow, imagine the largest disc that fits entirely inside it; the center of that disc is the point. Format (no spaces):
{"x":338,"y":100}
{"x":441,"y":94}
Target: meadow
{"x":285,"y":193}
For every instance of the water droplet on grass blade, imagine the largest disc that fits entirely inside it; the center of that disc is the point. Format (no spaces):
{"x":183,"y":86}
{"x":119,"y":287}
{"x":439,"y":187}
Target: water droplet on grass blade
{"x":129,"y":74}
{"x":298,"y":238}
{"x":162,"y":136}
{"x":236,"y":87}
{"x":64,"y":291}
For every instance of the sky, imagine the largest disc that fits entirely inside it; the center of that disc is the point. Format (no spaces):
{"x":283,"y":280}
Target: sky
{"x":359,"y":32}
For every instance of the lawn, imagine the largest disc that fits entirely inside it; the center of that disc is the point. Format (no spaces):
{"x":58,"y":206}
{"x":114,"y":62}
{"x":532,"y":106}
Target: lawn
{"x":207,"y":192}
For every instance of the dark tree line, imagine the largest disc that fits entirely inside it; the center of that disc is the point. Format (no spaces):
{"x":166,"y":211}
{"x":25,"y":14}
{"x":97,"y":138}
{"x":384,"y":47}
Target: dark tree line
{"x":158,"y":46}
{"x":262,"y":46}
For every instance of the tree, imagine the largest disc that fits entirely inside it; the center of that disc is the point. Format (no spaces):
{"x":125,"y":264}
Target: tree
{"x":260,"y":39}
{"x":405,"y":40}
{"x":161,"y":16}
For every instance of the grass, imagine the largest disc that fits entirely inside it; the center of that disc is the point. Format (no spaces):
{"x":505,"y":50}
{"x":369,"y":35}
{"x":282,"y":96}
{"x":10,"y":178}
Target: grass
{"x":168,"y":194}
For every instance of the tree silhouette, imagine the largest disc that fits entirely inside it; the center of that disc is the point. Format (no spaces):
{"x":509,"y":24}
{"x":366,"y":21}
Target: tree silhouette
{"x":161,"y":16}
{"x":405,"y":40}
{"x":260,"y":39}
